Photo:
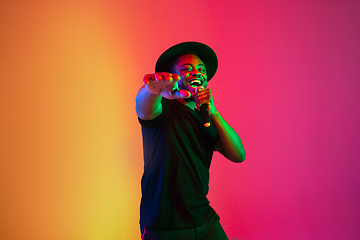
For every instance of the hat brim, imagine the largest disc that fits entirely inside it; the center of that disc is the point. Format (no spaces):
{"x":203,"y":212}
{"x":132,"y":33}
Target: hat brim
{"x":206,"y":54}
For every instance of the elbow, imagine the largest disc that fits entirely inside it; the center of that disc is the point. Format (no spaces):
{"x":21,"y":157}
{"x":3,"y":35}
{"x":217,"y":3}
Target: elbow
{"x":239,"y":158}
{"x":235,"y":153}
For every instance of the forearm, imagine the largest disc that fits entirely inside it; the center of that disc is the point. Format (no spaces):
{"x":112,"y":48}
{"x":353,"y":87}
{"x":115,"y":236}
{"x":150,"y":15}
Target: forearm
{"x":231,"y":144}
{"x":148,"y":105}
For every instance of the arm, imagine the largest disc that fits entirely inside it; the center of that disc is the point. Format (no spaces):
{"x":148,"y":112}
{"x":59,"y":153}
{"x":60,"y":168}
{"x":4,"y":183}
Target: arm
{"x":229,"y":145}
{"x":148,"y":105}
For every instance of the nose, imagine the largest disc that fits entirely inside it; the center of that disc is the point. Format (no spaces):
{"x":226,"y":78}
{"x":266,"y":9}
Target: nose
{"x":195,"y":73}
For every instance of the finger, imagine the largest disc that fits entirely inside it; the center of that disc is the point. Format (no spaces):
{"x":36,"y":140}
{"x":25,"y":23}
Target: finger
{"x":167,"y":76}
{"x":182,"y":94}
{"x":201,"y":102}
{"x":202,"y":97}
{"x":203,"y":94}
{"x":158,"y":76}
{"x":201,"y":89}
{"x":200,"y":93}
{"x":176,"y":77}
{"x":147,"y":78}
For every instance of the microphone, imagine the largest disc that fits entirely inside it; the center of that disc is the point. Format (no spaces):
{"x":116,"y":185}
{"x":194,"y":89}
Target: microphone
{"x":204,"y":111}
{"x":205,"y":114}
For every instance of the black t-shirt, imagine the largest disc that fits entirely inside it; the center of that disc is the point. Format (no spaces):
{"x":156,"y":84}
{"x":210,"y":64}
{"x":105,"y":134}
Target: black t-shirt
{"x":177,"y":154}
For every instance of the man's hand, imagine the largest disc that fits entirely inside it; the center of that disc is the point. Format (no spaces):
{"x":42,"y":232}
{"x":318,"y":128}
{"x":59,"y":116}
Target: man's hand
{"x":204,"y":96}
{"x":165,"y":84}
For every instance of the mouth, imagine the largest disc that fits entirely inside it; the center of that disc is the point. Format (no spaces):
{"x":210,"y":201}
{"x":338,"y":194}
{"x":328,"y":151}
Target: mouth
{"x":196,"y":82}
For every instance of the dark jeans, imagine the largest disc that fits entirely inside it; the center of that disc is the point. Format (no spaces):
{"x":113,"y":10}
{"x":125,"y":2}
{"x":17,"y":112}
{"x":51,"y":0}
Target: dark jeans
{"x":212,"y":230}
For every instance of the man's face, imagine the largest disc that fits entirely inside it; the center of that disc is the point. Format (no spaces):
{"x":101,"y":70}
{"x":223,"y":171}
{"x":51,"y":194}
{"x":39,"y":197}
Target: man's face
{"x":192,"y":72}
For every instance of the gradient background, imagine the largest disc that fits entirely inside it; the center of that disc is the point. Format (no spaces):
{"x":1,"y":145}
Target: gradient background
{"x":70,"y":144}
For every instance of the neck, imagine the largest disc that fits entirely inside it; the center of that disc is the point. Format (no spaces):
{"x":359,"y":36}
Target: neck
{"x":188,"y":103}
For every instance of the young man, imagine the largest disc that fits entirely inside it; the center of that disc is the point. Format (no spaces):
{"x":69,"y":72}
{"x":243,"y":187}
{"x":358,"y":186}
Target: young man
{"x":178,"y":148}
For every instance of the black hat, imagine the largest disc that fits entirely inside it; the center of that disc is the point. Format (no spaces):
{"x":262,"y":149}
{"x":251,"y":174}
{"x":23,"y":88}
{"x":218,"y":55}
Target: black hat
{"x":204,"y":52}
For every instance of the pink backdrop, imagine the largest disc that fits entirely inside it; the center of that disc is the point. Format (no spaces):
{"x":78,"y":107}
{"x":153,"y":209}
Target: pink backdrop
{"x":70,"y":145}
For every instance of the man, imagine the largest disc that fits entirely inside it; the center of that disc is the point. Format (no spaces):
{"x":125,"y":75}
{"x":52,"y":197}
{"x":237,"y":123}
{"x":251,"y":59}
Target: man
{"x":178,"y":147}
